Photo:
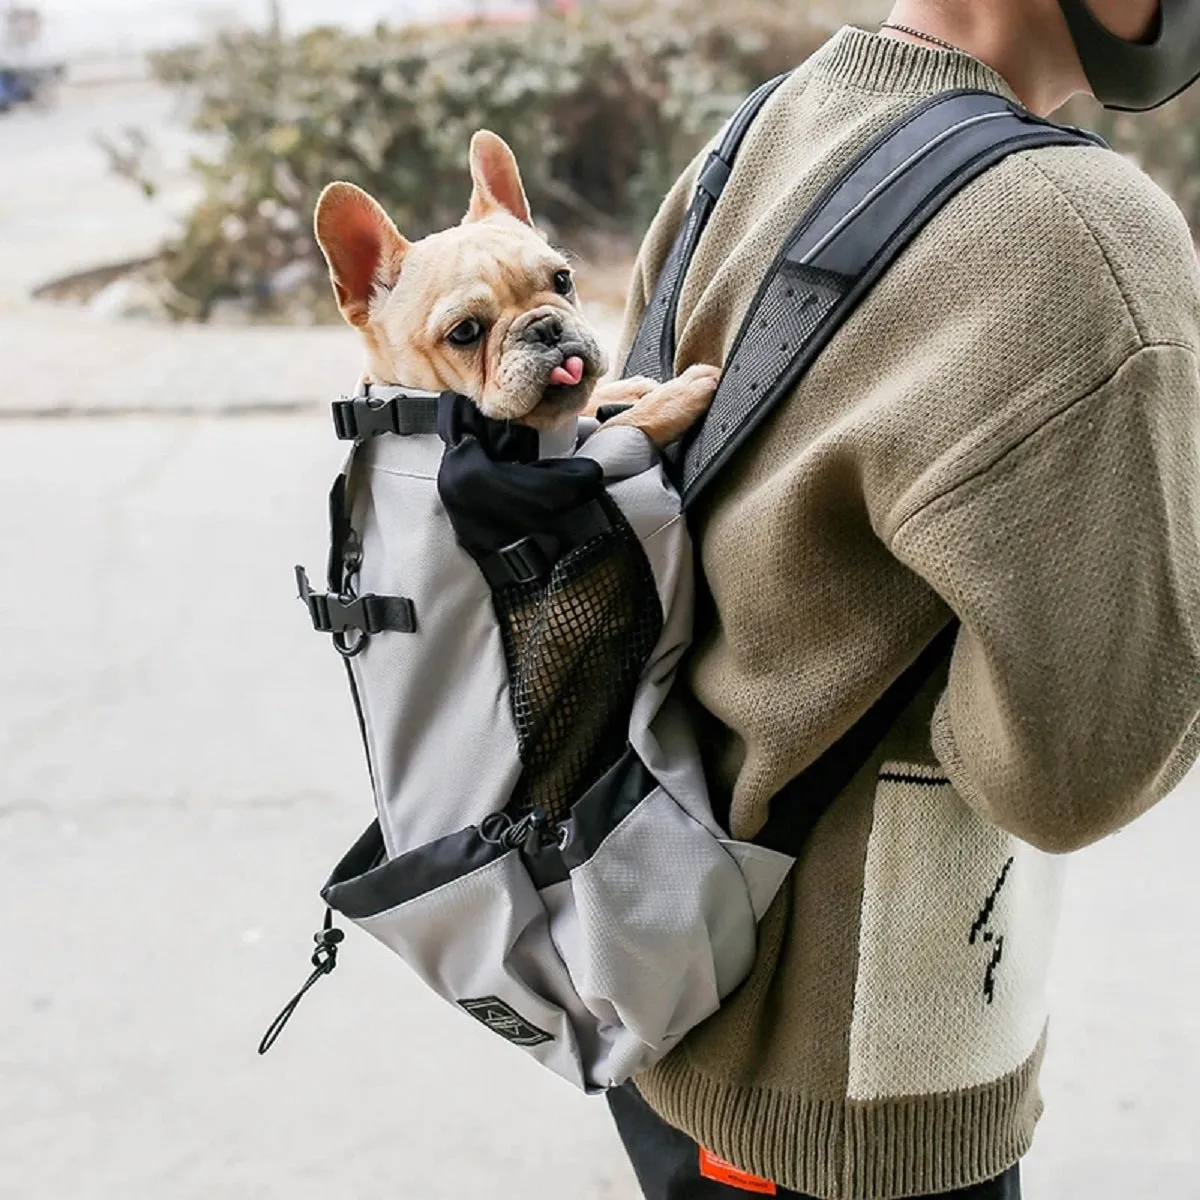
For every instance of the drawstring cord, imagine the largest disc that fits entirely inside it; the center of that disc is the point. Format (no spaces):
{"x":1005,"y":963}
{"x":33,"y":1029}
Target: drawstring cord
{"x":324,"y":959}
{"x":530,"y":834}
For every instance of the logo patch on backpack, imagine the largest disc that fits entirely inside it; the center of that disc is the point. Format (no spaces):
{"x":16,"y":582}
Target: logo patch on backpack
{"x":507,"y":1022}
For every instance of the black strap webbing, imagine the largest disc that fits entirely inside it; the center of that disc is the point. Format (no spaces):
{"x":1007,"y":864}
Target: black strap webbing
{"x":653,"y":351}
{"x":800,"y":804}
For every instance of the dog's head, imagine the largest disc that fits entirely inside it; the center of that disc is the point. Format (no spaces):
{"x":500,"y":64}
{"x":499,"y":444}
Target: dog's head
{"x":487,"y":308}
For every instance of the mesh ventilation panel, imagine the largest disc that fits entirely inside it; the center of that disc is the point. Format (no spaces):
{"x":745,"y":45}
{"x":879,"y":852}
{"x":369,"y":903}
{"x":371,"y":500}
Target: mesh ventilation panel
{"x":576,"y":646}
{"x":653,"y":352}
{"x":793,"y":308}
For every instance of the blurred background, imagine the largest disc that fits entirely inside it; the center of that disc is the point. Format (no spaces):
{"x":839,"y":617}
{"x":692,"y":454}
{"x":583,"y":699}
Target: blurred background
{"x":180,"y":766}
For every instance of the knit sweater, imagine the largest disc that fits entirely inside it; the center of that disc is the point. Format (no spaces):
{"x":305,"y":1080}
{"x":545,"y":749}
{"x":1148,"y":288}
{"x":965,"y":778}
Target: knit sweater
{"x":1006,"y":431}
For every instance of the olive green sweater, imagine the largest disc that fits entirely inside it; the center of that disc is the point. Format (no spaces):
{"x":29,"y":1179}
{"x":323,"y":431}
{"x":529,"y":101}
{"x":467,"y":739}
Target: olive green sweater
{"x":1008,"y":430}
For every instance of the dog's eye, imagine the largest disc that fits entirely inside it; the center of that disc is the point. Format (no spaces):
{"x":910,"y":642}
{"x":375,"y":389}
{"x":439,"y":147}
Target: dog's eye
{"x":564,"y":284}
{"x":466,"y":333}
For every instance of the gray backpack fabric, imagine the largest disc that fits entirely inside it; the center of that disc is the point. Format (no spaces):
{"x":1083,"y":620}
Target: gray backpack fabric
{"x":513,"y":608}
{"x":531,"y":763}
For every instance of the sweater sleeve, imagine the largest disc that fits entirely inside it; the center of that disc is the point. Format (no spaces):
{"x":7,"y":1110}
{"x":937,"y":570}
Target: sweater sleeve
{"x":1073,"y":563}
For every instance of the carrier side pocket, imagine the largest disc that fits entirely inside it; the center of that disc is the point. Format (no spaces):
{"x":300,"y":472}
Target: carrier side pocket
{"x":465,"y":916}
{"x":663,"y":924}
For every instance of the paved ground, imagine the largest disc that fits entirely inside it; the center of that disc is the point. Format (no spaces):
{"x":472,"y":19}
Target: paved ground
{"x":181,"y":768}
{"x":62,"y":211}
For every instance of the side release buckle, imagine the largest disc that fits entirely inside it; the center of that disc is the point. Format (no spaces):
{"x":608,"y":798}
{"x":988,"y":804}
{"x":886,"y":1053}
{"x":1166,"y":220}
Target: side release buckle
{"x":364,"y":614}
{"x":407,"y":412}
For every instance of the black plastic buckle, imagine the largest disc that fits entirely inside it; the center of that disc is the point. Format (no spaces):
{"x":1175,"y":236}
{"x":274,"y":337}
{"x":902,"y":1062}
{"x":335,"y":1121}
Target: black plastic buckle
{"x":367,"y":615}
{"x":363,"y":418}
{"x":329,"y":613}
{"x":714,"y":176}
{"x":409,"y":412}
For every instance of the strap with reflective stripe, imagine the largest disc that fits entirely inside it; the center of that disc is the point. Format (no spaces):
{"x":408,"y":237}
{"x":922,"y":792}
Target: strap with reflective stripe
{"x":859,"y":225}
{"x":653,"y":351}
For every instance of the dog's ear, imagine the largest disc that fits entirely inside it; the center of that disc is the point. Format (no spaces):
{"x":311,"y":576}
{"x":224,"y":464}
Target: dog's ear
{"x":363,"y":248}
{"x":496,"y":179}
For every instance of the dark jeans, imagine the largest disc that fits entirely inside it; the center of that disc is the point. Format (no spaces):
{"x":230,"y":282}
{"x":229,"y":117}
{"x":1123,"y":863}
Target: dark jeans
{"x":667,"y":1162}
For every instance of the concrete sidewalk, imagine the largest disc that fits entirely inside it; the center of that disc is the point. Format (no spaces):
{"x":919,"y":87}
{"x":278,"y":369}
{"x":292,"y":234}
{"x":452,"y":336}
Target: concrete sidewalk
{"x":62,"y":362}
{"x":182,"y":768}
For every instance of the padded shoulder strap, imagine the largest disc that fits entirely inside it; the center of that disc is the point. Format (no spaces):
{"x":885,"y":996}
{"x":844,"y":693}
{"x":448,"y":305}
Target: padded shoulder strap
{"x":653,"y":351}
{"x":856,"y":229}
{"x":858,"y":226}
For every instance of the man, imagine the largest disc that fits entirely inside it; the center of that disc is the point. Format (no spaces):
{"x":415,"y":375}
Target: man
{"x":1007,"y":432}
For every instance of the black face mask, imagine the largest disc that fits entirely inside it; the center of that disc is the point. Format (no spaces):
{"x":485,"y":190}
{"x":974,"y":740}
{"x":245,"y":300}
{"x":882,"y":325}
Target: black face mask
{"x":1133,"y":76}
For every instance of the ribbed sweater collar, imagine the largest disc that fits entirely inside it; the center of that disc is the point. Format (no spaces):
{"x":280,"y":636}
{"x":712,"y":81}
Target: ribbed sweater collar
{"x":858,"y":59}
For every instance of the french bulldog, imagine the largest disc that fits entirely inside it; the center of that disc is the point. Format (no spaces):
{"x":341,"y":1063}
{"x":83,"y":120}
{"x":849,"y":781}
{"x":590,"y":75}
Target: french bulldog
{"x":487,"y":308}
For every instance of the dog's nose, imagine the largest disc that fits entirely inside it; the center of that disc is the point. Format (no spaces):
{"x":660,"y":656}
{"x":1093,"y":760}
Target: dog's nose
{"x":547,"y":330}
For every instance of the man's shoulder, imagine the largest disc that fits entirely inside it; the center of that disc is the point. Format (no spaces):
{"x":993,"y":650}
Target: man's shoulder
{"x":1097,"y":211}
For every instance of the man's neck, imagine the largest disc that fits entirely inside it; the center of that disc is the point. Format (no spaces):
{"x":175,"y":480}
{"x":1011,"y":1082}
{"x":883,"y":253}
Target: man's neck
{"x":1026,"y":42}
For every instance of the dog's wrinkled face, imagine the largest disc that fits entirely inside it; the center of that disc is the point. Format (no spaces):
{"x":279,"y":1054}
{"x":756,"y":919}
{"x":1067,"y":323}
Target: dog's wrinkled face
{"x":487,"y":308}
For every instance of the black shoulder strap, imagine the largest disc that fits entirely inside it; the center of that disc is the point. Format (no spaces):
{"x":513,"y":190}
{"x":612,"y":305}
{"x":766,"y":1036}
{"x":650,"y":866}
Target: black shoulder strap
{"x":858,"y":226}
{"x":653,"y":351}
{"x":799,"y":805}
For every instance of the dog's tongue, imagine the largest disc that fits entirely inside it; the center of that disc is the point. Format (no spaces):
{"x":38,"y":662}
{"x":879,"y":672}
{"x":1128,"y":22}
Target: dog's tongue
{"x":570,"y":373}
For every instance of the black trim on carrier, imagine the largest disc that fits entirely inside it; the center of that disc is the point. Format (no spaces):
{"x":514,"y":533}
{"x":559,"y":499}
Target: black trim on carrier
{"x":603,"y":807}
{"x":551,"y":859}
{"x":366,"y":883}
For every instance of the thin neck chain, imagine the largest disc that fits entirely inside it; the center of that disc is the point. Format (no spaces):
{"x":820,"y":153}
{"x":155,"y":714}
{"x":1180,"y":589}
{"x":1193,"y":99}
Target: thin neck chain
{"x":928,"y":37}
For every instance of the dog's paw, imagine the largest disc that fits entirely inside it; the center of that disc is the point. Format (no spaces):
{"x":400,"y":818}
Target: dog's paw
{"x":702,"y":371}
{"x":670,"y":409}
{"x":619,"y":391}
{"x":700,"y":381}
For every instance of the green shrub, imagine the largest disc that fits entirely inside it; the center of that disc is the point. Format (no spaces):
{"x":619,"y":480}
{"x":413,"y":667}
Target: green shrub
{"x":602,"y":107}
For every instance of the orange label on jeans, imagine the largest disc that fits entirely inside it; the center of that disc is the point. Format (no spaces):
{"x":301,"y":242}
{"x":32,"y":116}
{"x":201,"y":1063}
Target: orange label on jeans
{"x":719,"y":1171}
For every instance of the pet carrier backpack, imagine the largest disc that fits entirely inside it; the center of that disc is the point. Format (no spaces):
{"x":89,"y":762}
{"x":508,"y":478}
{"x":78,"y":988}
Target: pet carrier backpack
{"x":513,"y":607}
